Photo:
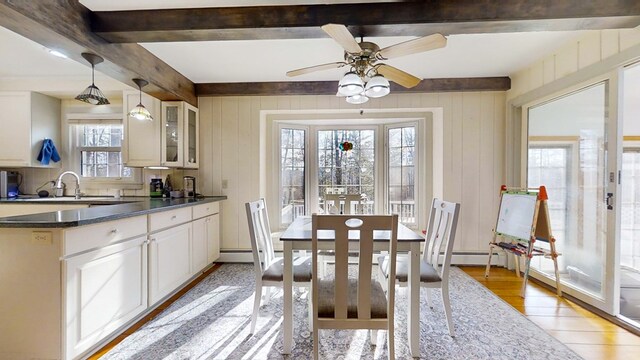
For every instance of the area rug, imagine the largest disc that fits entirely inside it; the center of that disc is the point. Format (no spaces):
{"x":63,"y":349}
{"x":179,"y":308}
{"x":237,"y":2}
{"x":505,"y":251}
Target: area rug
{"x":212,"y":321}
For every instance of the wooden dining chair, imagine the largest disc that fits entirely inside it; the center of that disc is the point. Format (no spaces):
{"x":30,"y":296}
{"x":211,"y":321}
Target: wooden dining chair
{"x":441,"y":232}
{"x":343,"y":303}
{"x":269,"y":269}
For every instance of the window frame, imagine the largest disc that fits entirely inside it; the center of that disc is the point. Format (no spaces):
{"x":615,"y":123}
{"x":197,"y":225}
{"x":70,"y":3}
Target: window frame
{"x":75,"y":157}
{"x":381,"y":161}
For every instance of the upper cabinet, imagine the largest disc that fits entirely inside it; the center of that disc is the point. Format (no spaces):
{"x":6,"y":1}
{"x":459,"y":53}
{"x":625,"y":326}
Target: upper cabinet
{"x":180,"y":126}
{"x":27,"y":118}
{"x":141,"y":145}
{"x":170,"y":140}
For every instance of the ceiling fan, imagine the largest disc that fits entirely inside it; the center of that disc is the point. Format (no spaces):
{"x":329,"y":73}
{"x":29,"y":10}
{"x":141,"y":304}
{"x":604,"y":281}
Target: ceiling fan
{"x":368,"y":75}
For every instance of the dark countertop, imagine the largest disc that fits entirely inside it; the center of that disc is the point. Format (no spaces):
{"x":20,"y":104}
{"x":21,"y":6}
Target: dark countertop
{"x":108,"y":209}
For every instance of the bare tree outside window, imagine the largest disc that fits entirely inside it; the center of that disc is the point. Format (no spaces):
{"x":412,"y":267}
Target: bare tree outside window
{"x":402,"y":177}
{"x":292,"y":147}
{"x":100,"y":152}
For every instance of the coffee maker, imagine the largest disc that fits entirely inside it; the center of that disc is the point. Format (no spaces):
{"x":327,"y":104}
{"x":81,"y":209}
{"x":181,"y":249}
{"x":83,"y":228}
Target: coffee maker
{"x":189,"y":186}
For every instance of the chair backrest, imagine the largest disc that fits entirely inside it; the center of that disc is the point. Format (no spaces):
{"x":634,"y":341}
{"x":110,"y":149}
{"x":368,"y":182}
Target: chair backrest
{"x":260,"y":232}
{"x":344,"y":203}
{"x":441,"y":232}
{"x":354,"y":229}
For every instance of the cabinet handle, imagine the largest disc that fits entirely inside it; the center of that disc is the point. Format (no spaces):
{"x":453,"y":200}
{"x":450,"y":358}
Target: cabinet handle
{"x":152,"y":240}
{"x":114,"y":231}
{"x":208,"y":219}
{"x":147,"y":241}
{"x":173,"y":217}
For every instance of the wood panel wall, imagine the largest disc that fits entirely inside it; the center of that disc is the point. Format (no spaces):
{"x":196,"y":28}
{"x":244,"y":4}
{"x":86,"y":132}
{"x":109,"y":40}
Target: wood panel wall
{"x":474,"y":138}
{"x":593,"y":47}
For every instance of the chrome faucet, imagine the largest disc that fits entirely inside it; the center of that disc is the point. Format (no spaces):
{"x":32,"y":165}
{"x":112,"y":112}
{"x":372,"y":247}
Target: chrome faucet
{"x":59,"y":186}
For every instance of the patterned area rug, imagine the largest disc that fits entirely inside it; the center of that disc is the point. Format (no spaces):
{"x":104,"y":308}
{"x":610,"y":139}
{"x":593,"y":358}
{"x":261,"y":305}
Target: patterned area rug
{"x":212,"y":321}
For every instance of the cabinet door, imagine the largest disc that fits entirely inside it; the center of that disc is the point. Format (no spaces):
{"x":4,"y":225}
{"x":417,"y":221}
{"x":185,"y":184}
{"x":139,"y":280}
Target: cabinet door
{"x":191,"y":130}
{"x":213,"y":239}
{"x":104,"y":289}
{"x":15,"y":122}
{"x":141,"y":145}
{"x":199,"y":243}
{"x":169,"y":261}
{"x":172,"y":134}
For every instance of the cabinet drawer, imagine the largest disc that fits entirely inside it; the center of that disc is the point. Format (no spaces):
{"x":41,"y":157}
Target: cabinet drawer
{"x":200,"y":211}
{"x":167,"y":219}
{"x":99,"y":235}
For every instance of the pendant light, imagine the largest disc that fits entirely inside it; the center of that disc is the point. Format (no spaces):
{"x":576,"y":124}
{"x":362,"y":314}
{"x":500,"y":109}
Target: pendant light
{"x":92,"y":94}
{"x":140,"y":112}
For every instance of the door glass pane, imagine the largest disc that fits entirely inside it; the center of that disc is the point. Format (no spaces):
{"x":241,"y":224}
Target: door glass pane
{"x":292,"y":176}
{"x":630,"y":197}
{"x":567,"y":154}
{"x":192,"y":136}
{"x":171,"y":123}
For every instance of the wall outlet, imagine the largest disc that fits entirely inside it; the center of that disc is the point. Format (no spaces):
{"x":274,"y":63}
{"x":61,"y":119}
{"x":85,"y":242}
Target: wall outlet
{"x":224,"y":184}
{"x":42,"y":237}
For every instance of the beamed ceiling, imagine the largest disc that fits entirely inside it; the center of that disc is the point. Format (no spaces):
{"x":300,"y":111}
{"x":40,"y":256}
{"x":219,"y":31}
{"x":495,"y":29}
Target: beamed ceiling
{"x":117,"y":35}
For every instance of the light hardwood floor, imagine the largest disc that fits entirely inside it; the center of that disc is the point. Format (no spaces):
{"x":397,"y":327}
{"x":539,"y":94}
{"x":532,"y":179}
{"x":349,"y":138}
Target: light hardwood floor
{"x":586,"y":333}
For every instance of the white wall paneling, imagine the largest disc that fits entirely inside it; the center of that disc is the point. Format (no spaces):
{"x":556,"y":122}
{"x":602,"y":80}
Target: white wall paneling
{"x":471,"y":138}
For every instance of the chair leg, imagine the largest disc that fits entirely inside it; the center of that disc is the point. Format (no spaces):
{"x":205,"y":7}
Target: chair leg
{"x":391,"y":342}
{"x":374,"y":336}
{"x":447,"y":309}
{"x":429,"y":302}
{"x":267,"y":295}
{"x":310,"y":307}
{"x":256,"y":308}
{"x":315,"y":343}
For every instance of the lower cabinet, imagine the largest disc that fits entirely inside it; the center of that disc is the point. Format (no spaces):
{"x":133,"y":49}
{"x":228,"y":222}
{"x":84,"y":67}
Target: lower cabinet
{"x":205,"y":247}
{"x":105,"y":289}
{"x":169,"y":260}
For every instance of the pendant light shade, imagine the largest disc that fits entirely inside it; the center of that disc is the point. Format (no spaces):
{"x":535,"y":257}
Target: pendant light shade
{"x":357,"y":99}
{"x":350,"y":84}
{"x":140,"y":112}
{"x":377,"y":87}
{"x":92,"y":94}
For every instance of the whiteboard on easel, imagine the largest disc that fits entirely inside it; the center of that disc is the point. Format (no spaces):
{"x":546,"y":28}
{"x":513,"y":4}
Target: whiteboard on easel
{"x":515,"y":219}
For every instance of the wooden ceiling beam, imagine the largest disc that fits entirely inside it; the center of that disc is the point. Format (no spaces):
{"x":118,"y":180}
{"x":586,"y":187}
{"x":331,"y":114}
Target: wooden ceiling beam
{"x":64,"y":25}
{"x":330,"y":87}
{"x":416,"y":18}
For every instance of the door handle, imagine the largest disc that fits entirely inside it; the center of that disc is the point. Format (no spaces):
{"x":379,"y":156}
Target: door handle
{"x":609,"y":201}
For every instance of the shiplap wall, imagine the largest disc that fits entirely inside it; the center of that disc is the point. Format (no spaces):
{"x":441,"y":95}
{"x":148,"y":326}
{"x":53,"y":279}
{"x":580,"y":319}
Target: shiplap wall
{"x":574,"y":56}
{"x":230,"y":131}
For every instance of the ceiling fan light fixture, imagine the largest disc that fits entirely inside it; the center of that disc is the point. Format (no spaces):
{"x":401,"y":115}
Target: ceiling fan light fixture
{"x":357,"y":99}
{"x":140,"y":112}
{"x":92,"y":95}
{"x":377,"y":87}
{"x":350,"y":84}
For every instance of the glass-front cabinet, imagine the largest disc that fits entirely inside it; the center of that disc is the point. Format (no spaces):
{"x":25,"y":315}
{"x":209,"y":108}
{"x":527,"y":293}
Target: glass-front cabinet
{"x":180,"y":128}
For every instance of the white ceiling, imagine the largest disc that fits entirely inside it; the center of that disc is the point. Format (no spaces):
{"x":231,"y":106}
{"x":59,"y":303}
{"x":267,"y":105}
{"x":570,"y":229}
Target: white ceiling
{"x":25,"y":62}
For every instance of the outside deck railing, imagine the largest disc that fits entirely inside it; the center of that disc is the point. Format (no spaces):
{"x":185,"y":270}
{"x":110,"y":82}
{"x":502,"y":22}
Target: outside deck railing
{"x":405,"y":211}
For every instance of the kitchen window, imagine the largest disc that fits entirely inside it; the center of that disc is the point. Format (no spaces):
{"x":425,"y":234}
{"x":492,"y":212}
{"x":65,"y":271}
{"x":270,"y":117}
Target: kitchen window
{"x":97,"y":155}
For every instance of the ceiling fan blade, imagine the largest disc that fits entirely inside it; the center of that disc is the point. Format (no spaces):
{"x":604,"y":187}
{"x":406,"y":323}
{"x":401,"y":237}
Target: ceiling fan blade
{"x":311,"y":69}
{"x":422,"y":44}
{"x":398,"y":76}
{"x":342,"y":36}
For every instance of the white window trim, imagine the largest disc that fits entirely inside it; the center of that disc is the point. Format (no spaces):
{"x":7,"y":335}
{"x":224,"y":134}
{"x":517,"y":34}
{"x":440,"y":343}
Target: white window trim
{"x":381,"y":160}
{"x":134,"y":182}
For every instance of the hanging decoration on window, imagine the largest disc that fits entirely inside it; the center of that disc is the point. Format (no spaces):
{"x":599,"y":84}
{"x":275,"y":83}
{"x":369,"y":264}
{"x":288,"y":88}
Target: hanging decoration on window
{"x":345,"y":146}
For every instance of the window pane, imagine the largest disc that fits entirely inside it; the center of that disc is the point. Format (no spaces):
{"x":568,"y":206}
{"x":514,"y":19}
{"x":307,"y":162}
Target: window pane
{"x":401,"y":173}
{"x":292,"y":176}
{"x":348,"y":172}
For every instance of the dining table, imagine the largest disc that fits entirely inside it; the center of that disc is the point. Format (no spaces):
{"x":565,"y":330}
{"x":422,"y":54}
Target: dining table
{"x":297,"y":236}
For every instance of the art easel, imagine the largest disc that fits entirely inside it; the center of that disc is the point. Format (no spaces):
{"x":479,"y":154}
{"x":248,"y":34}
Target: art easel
{"x":521,"y":245}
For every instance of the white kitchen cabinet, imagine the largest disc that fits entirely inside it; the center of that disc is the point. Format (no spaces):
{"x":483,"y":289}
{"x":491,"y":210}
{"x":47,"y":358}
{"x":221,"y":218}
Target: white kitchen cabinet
{"x":105,"y":289}
{"x":179,"y":139}
{"x":141,"y":144}
{"x":27,"y":118}
{"x":206,"y":235}
{"x":169,"y":260}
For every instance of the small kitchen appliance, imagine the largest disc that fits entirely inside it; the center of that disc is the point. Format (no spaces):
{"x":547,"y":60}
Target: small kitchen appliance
{"x":9,"y":181}
{"x":189,"y":186}
{"x":155,"y":188}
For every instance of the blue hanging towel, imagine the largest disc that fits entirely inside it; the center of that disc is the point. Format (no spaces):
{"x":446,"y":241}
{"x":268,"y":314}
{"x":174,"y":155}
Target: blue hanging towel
{"x":48,"y":152}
